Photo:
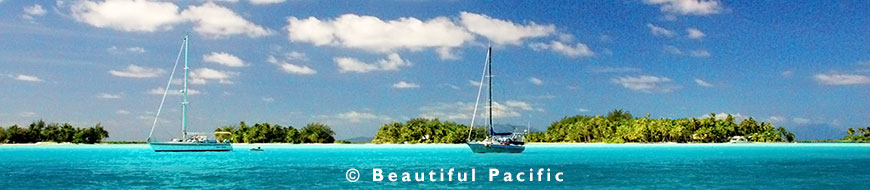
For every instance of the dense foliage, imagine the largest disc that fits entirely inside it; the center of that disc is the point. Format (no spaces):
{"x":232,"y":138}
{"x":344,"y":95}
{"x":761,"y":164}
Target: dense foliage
{"x":862,"y":134}
{"x":425,"y":131}
{"x":268,"y":133}
{"x":620,"y":127}
{"x":39,"y":131}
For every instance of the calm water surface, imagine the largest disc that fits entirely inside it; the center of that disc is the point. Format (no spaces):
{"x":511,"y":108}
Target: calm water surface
{"x":709,"y":166}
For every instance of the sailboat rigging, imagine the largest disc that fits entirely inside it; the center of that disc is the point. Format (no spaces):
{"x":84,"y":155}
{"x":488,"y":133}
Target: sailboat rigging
{"x":494,"y":142}
{"x":188,"y":142}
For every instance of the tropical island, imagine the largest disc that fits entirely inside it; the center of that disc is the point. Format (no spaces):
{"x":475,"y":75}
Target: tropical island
{"x":618,"y":126}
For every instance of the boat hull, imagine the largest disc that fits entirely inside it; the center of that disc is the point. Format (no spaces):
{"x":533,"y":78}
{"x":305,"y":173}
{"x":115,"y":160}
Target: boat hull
{"x":190,"y":147}
{"x":495,"y":148}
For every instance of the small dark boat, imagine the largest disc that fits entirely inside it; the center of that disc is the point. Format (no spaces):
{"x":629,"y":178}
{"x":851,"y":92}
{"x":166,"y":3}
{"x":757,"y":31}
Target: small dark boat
{"x":257,"y":149}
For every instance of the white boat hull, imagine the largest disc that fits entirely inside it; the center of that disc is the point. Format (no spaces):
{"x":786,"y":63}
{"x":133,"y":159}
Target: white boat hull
{"x":189,"y":147}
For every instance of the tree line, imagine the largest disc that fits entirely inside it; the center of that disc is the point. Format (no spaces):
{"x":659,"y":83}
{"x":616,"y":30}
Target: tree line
{"x":268,"y":133}
{"x":39,"y":131}
{"x":422,"y":130}
{"x":620,"y":126}
{"x":617,"y":126}
{"x":860,"y":135}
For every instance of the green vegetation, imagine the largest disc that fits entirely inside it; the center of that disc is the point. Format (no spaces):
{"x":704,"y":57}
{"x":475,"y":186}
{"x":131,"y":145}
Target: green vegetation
{"x":616,"y":127}
{"x":267,"y":133}
{"x":860,"y":135}
{"x":39,"y":131}
{"x":620,"y":127}
{"x":425,"y":131}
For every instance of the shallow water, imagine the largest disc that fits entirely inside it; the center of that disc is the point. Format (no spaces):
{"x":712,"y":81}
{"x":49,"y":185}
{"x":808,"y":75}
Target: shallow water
{"x":596,"y":166}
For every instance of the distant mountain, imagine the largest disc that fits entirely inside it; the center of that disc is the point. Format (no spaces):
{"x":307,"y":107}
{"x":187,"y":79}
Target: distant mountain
{"x":816,"y":132}
{"x":360,"y":139}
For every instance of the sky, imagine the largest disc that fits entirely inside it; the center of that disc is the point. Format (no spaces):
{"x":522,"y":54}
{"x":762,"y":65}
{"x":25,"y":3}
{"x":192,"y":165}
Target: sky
{"x":356,"y":65}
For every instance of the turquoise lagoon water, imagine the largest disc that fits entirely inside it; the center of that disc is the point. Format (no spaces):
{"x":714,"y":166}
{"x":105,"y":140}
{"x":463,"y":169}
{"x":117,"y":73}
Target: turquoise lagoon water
{"x":693,"y":166}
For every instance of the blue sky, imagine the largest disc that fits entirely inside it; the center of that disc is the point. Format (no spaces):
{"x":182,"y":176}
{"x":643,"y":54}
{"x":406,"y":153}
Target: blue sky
{"x":356,"y":65}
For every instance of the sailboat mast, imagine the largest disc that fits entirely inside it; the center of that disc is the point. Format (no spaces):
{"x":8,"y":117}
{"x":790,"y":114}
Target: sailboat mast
{"x":184,"y":92}
{"x":489,"y":53}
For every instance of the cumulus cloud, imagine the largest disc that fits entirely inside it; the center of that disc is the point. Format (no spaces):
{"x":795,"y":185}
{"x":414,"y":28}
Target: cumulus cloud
{"x":700,"y":53}
{"x":392,"y":63}
{"x":672,"y":50}
{"x":702,"y":83}
{"x":203,"y":75}
{"x":291,"y":68}
{"x":501,"y":31}
{"x":26,"y":78}
{"x":722,"y":116}
{"x":646,"y":83}
{"x":786,"y":73}
{"x":659,"y":31}
{"x":800,"y":121}
{"x":603,"y":69}
{"x":578,"y":50}
{"x":536,"y":81}
{"x":403,"y":84}
{"x":122,"y":112}
{"x":210,"y":19}
{"x":268,"y":99}
{"x":173,"y":92}
{"x":33,"y":11}
{"x":687,"y":7}
{"x":696,"y":34}
{"x":356,"y":117}
{"x":215,"y":21}
{"x":842,"y":79}
{"x":134,"y":49}
{"x":223,"y":58}
{"x":134,"y":71}
{"x":266,"y":2}
{"x":108,"y":96}
{"x":776,"y":119}
{"x":373,"y":34}
{"x":127,"y":15}
{"x":463,"y":110}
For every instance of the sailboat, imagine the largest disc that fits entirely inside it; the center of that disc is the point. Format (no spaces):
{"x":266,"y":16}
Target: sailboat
{"x":189,"y":142}
{"x":494,"y":142}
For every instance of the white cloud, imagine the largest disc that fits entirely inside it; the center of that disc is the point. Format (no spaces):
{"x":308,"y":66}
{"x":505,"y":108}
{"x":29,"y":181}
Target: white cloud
{"x":268,"y":99}
{"x":474,"y":83}
{"x":223,"y":58}
{"x":173,"y":92}
{"x":215,"y":21}
{"x":536,"y":81}
{"x":266,"y":2}
{"x":27,"y":114}
{"x":702,"y":83}
{"x":602,"y":69}
{"x":687,"y":7}
{"x":122,"y":112}
{"x":578,"y":50}
{"x":134,"y":49}
{"x":133,"y":71}
{"x":696,"y":34}
{"x":392,"y":63}
{"x":127,"y":15}
{"x":108,"y":96}
{"x":582,"y":110}
{"x":776,"y":119}
{"x":294,"y":55}
{"x":356,"y":117}
{"x":291,"y":68}
{"x":33,"y":11}
{"x":503,"y":32}
{"x":787,"y":73}
{"x":373,"y":34}
{"x":646,"y":83}
{"x":463,"y":110}
{"x":842,"y":79}
{"x":403,"y":84}
{"x":700,"y":53}
{"x":26,"y":78}
{"x":800,"y":121}
{"x":672,"y":50}
{"x":203,"y":75}
{"x":659,"y":31}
